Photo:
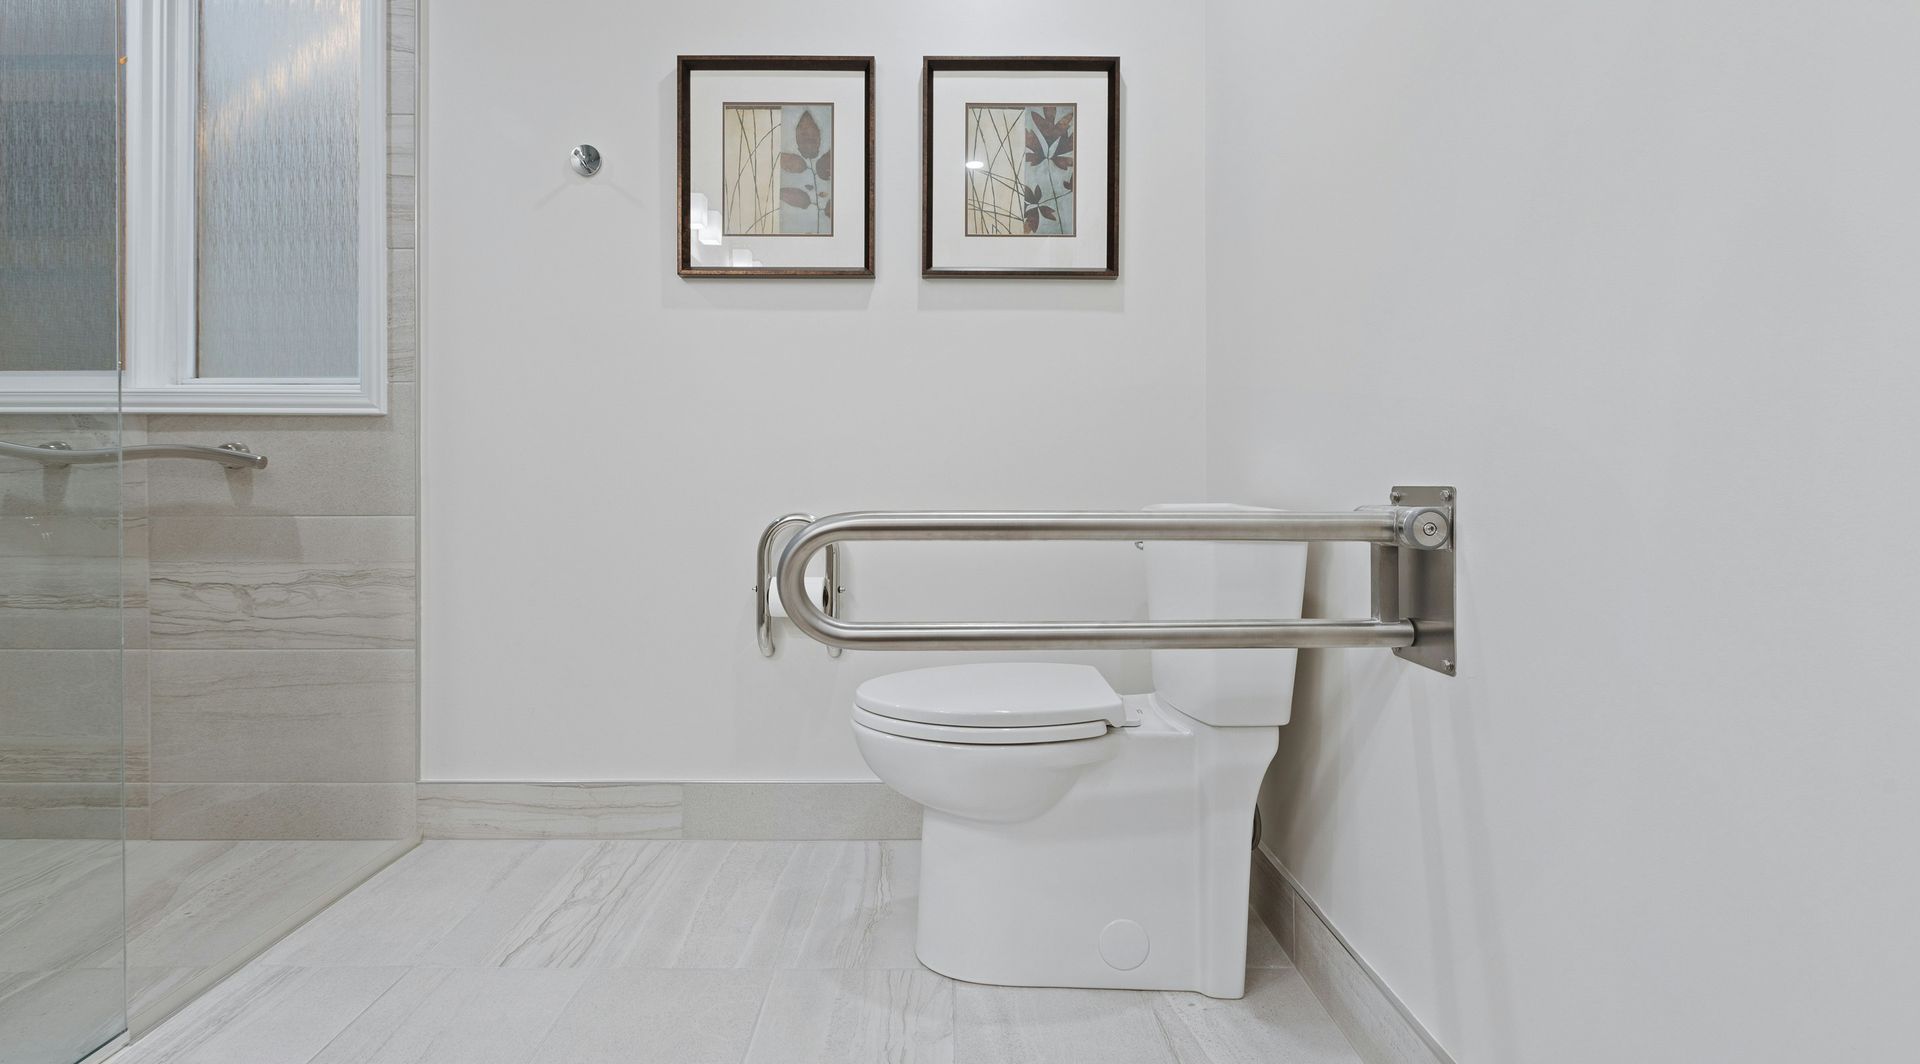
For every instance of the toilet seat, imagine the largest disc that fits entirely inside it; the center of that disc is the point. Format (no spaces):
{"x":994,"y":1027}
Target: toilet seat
{"x":998,"y":703}
{"x":947,"y":733}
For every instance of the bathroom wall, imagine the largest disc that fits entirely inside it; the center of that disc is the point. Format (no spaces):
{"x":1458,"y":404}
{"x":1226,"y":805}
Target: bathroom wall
{"x":275,"y":639}
{"x":604,"y":441}
{"x":1639,"y":278}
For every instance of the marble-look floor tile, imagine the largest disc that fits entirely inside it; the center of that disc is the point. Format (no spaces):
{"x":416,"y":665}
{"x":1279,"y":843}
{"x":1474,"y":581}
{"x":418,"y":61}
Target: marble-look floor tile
{"x":856,"y":1017}
{"x":445,"y":904}
{"x":147,"y":988}
{"x":457,"y":1016}
{"x":1278,"y":1022}
{"x":726,"y":905}
{"x":618,"y":895}
{"x":808,"y":905}
{"x":549,"y":810}
{"x":586,"y":951}
{"x":265,"y":1014}
{"x":60,"y":904}
{"x":1027,"y":1025}
{"x":628,"y":904}
{"x":58,"y":1015}
{"x":196,"y":904}
{"x":688,"y":1017}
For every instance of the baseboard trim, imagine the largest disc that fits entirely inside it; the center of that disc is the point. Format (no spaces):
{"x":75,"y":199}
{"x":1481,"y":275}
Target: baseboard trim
{"x":1377,"y":1023}
{"x":665,"y":810}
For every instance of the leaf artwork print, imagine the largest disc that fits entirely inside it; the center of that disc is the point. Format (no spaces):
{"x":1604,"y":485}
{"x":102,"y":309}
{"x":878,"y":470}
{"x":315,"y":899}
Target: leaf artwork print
{"x":1020,"y":169}
{"x":777,"y":167}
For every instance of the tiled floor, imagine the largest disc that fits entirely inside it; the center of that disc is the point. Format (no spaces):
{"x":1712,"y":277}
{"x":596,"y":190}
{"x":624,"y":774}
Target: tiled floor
{"x":191,"y":907}
{"x":686,"y":952}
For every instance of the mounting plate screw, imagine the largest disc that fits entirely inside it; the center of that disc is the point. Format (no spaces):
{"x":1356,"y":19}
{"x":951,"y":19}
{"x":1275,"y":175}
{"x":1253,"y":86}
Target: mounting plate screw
{"x":1397,"y":496}
{"x":585,"y":160}
{"x":1447,"y":494}
{"x":1447,"y":665}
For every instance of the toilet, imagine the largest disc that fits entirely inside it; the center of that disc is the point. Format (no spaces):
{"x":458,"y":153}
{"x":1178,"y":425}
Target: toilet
{"x":1077,"y":837}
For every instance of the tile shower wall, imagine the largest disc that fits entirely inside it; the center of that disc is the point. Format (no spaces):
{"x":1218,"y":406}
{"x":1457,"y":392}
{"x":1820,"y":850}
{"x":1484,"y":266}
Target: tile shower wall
{"x":279,"y":666}
{"x":61,"y":719}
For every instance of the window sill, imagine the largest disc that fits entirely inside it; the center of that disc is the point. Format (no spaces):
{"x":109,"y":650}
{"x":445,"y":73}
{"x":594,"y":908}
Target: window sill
{"x":94,"y":393}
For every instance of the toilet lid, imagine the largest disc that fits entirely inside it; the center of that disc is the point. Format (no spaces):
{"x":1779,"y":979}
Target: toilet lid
{"x":1001,"y":695}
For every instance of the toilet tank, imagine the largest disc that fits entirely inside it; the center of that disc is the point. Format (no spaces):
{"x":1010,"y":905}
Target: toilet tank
{"x":1193,"y":581}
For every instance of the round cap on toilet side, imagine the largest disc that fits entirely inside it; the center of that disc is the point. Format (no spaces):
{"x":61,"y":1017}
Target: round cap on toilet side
{"x":999,"y":695}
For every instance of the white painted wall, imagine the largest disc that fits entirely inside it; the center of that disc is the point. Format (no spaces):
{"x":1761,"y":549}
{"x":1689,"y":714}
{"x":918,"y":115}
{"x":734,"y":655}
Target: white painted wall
{"x":1641,"y":278}
{"x":603,"y":440}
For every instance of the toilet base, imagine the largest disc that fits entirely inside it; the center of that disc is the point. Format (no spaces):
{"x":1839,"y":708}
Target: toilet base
{"x":1136,"y":879}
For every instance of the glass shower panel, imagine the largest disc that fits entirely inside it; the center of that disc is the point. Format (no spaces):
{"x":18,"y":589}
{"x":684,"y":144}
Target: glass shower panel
{"x":62,"y":743}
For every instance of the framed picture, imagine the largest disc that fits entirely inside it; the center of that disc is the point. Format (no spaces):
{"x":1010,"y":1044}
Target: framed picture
{"x":775,"y":166}
{"x":1020,"y":167}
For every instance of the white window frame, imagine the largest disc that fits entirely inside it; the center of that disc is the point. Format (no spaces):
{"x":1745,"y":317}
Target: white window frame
{"x":160,"y":246}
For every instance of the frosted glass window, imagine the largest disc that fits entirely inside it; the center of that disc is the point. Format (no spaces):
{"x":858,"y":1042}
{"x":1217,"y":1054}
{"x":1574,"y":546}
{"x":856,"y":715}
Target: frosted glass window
{"x":59,"y":185}
{"x":278,"y":186}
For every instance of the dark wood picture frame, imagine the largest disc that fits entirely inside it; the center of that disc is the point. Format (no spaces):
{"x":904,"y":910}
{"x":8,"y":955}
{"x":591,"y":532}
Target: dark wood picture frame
{"x":863,"y":64}
{"x":1109,"y":65}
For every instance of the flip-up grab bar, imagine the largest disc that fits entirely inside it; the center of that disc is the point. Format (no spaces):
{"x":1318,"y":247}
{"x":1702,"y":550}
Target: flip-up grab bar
{"x":763,"y":563}
{"x":1412,"y":540}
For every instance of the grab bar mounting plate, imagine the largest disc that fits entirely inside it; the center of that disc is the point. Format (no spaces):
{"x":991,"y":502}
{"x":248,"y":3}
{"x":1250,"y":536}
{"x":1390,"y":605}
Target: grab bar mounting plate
{"x":1417,"y":585}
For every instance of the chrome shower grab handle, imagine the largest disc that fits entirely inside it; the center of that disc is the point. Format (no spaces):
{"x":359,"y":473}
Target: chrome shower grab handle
{"x":231,"y":455}
{"x":1412,"y":541}
{"x":763,"y":566}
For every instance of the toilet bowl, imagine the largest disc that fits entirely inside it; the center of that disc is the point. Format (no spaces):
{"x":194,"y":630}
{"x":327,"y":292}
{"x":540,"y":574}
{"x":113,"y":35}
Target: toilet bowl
{"x":1076,"y":837}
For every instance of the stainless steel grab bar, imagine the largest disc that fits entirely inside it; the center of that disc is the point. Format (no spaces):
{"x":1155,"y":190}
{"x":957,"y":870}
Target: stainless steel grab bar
{"x":231,"y":455}
{"x":763,"y":565}
{"x":1412,"y":541}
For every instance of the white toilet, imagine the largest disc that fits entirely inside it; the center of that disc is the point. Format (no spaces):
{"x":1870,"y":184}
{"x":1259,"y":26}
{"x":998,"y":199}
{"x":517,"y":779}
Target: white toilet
{"x":1076,"y":837}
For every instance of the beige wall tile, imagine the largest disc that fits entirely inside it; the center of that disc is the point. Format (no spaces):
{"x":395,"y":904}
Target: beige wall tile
{"x":403,"y":47}
{"x":403,"y":315}
{"x":1364,"y":1012}
{"x":549,"y":811}
{"x":273,"y":583}
{"x":401,"y":147}
{"x":60,"y":582}
{"x":28,"y":487}
{"x":60,"y":810}
{"x":318,"y":466}
{"x":284,"y":716}
{"x":798,"y":811}
{"x":1273,"y":899}
{"x":282,"y":810}
{"x":401,"y":191}
{"x":61,"y":716}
